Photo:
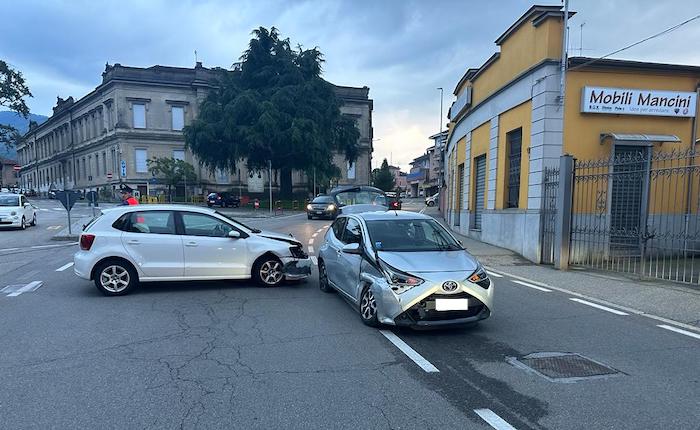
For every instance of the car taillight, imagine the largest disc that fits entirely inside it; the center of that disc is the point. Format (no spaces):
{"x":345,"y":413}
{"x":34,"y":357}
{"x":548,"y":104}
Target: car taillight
{"x":86,"y":241}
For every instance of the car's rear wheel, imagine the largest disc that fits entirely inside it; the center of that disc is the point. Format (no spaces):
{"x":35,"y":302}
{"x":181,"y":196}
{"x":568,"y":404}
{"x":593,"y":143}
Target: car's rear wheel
{"x":268,"y":272}
{"x":368,"y":308}
{"x":115,"y":278}
{"x":323,"y":283}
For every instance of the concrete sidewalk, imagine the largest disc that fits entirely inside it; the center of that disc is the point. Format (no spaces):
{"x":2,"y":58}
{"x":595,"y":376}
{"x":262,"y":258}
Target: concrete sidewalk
{"x":673,"y":301}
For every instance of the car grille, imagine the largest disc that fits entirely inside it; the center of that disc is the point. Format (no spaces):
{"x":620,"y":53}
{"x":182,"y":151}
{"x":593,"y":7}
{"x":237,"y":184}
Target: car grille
{"x":425,"y":309}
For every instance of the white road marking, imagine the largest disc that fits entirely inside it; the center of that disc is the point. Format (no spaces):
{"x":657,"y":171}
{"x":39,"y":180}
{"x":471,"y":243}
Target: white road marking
{"x":677,"y":330}
{"x":54,"y":227}
{"x":410,"y":352}
{"x":46,"y":246}
{"x":29,"y":287}
{"x":44,"y":210}
{"x":533,"y":286}
{"x":58,"y":209}
{"x":9,"y":249}
{"x":597,"y":306}
{"x":64,"y":267}
{"x":311,"y":249}
{"x":314,"y":260}
{"x":422,"y":210}
{"x":495,"y":275}
{"x":311,"y":241}
{"x":493,"y":420}
{"x":315,"y":234}
{"x":320,"y":230}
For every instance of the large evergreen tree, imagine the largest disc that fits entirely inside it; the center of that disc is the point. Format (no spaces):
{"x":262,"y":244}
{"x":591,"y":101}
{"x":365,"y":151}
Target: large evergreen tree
{"x":382,"y":177}
{"x":275,"y":108}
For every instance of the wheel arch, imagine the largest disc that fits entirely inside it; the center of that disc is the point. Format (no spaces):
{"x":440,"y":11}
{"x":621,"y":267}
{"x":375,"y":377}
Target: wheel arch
{"x":115,"y":259}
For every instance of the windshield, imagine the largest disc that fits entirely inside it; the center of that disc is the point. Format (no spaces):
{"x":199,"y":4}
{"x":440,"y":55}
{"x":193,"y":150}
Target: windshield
{"x":324,"y":199}
{"x":364,"y":197}
{"x":9,"y":200}
{"x":410,"y":235}
{"x":252,"y":230}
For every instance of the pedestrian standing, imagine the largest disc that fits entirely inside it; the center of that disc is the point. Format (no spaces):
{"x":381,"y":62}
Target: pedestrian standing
{"x":125,"y":192}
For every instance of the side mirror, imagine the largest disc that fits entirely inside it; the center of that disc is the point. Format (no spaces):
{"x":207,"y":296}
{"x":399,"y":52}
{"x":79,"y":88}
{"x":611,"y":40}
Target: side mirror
{"x":352,"y":248}
{"x":234,"y":234}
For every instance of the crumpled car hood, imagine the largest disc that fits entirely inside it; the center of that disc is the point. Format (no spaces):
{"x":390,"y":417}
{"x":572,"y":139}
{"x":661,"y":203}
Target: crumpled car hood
{"x":279,"y":236}
{"x":433,"y":261}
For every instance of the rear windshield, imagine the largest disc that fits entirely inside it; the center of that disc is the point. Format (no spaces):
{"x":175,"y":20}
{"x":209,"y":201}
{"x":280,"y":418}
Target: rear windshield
{"x":323,"y":199}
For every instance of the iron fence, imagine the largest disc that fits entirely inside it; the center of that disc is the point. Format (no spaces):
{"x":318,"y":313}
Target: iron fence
{"x":550,"y":186}
{"x":638,"y":212}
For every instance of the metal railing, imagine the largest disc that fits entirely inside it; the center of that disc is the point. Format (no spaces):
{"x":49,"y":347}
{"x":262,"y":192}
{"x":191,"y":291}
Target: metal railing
{"x":550,"y":186}
{"x":638,"y":212}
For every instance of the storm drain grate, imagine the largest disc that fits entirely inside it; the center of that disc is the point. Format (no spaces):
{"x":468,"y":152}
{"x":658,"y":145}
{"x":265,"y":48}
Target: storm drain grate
{"x":563,"y":367}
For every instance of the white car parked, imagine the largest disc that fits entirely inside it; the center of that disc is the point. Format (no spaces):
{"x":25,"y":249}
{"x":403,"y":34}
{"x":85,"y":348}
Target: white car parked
{"x":131,"y":244}
{"x":16,"y":211}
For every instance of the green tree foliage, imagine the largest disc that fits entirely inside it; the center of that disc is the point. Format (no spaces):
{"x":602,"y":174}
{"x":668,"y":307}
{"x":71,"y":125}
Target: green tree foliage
{"x":382,"y":177}
{"x":276,"y":107}
{"x":13,"y":90}
{"x":171,"y":171}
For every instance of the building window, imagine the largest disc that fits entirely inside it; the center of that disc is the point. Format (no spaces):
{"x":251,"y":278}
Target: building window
{"x":141,"y":155}
{"x":104,"y":163}
{"x":138,"y":111}
{"x":351,"y":170}
{"x":221,"y":176}
{"x":514,"y":140}
{"x":178,"y":117}
{"x":179,"y":154}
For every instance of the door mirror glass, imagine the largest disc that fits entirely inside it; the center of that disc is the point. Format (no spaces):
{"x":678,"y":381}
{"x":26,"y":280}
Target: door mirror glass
{"x":352,"y":248}
{"x":234,"y":234}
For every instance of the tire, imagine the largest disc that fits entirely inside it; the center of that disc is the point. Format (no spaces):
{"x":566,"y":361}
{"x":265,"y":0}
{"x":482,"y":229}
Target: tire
{"x":33,"y":224}
{"x":431,"y":203}
{"x":368,"y":308}
{"x":309,"y":216}
{"x":115,"y":278}
{"x":23,"y":224}
{"x":267,"y":272}
{"x":323,"y":284}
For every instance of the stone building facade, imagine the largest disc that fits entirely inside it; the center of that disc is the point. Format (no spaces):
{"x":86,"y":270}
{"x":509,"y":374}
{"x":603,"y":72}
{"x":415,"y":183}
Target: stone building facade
{"x":105,"y":138}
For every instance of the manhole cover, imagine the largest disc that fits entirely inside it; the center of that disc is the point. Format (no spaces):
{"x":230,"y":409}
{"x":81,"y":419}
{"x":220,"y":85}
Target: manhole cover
{"x":563,"y":366}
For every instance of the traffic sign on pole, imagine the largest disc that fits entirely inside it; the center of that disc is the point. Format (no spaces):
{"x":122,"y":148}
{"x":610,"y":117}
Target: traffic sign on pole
{"x":67,"y":199}
{"x":123,"y":168}
{"x":17,"y":168}
{"x":109,"y":176}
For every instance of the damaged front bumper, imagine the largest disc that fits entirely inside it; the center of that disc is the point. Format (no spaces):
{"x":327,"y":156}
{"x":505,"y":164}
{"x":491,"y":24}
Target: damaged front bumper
{"x":296,"y":268}
{"x":417,"y":307}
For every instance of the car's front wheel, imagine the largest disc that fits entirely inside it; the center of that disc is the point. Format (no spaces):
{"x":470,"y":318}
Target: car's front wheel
{"x":368,"y":308}
{"x":268,"y":272}
{"x":115,"y":278}
{"x":323,"y":283}
{"x":23,"y":224}
{"x":34,"y":221}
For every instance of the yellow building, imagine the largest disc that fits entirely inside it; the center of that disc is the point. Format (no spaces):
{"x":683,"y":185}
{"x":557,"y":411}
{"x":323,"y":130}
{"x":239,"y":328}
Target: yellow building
{"x":508,"y":127}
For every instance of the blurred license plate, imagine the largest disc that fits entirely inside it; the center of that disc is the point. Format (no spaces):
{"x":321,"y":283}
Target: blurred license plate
{"x":319,"y":212}
{"x":451,"y":304}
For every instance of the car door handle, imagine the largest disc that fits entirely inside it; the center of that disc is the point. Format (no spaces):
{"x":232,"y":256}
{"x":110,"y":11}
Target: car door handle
{"x":133,"y":242}
{"x":191,"y":244}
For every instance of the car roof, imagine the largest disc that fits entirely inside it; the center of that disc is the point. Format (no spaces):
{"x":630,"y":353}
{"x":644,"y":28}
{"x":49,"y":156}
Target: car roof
{"x":345,"y":188}
{"x":389,"y":215}
{"x":158,"y":207}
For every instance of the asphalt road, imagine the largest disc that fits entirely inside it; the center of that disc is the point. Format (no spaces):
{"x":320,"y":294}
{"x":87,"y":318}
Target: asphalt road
{"x":232,"y":355}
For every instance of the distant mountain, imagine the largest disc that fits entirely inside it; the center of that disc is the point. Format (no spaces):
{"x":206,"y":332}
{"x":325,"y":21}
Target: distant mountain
{"x":21,"y":124}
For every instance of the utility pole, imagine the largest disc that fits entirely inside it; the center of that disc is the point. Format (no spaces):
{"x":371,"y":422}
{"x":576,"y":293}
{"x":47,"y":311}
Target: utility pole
{"x":270,"y":178}
{"x":580,"y":35}
{"x":441,"y":96}
{"x":564,"y":45}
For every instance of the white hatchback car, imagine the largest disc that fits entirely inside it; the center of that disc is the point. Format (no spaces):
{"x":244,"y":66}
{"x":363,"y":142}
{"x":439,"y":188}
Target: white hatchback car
{"x":16,"y":211}
{"x":131,"y":244}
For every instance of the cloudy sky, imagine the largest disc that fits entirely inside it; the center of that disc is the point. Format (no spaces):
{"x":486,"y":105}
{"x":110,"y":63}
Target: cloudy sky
{"x":403,"y":50}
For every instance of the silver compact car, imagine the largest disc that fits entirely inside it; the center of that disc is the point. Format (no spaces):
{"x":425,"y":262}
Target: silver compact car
{"x":403,"y":268}
{"x":132,"y":244}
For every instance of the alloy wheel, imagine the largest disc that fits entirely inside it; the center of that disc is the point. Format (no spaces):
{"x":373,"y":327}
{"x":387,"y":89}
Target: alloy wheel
{"x":23,"y":224}
{"x":368,"y":306}
{"x":114,"y":279}
{"x":271,"y":272}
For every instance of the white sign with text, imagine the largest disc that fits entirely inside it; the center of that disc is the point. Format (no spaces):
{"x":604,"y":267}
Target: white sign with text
{"x":629,"y":101}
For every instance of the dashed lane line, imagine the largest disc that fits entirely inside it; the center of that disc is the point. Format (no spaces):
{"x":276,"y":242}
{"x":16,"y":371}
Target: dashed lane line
{"x":311,"y":250}
{"x":693,"y":329}
{"x":58,"y":209}
{"x":495,"y":275}
{"x":311,"y":241}
{"x":493,"y":419}
{"x":65,"y":266}
{"x":315,"y":234}
{"x":534,"y":287}
{"x":54,"y":227}
{"x":677,"y":330}
{"x":410,"y":352}
{"x":597,"y":306}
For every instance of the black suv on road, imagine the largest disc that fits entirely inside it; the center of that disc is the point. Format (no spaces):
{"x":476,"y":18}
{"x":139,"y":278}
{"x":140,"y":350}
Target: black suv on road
{"x":225,"y":200}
